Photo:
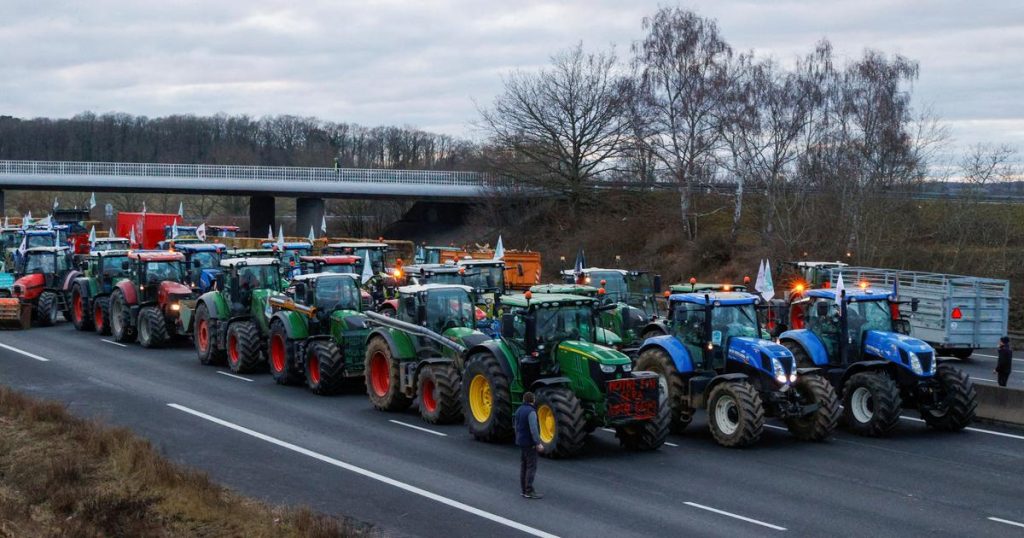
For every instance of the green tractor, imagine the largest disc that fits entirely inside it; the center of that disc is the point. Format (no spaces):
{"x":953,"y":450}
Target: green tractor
{"x":318,"y":334}
{"x":634,"y":295}
{"x":418,"y":352}
{"x":233,"y":320}
{"x":550,"y":345}
{"x":90,"y":291}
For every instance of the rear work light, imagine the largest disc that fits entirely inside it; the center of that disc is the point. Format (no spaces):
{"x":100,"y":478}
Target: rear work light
{"x":957,"y":314}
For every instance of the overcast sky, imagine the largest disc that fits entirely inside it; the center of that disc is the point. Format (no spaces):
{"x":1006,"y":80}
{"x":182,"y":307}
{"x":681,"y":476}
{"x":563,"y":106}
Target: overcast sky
{"x":422,"y":63}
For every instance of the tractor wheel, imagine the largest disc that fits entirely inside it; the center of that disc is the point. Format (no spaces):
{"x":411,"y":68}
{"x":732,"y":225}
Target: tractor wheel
{"x":382,"y":382}
{"x":962,"y":354}
{"x":206,"y":350}
{"x":871,"y":402}
{"x":649,"y":435}
{"x":735,"y":414}
{"x":101,"y":315}
{"x":152,"y":327}
{"x":960,"y":397}
{"x":657,"y":360}
{"x":652,"y":333}
{"x":803,"y":360}
{"x":325,"y":368}
{"x":120,"y":318}
{"x":281,"y":352}
{"x":486,"y":399}
{"x":244,"y":347}
{"x":46,"y":309}
{"x":79,"y":314}
{"x":561,"y":422}
{"x":817,"y":426}
{"x":438,"y":388}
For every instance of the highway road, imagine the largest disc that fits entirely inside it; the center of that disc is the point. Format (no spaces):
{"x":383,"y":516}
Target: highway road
{"x":340,"y":456}
{"x":983,"y":362}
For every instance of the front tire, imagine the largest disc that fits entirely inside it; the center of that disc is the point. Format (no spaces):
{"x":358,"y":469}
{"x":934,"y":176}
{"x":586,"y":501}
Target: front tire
{"x":79,"y":313}
{"x":281,"y":352}
{"x":817,"y":426}
{"x":438,"y":389}
{"x":561,"y":422}
{"x":657,"y":360}
{"x":120,"y":319}
{"x":383,"y":384}
{"x":871,"y":402}
{"x":735,"y":414}
{"x":325,"y":369}
{"x":961,"y":400}
{"x":152,"y":328}
{"x":486,"y":399}
{"x":244,"y":347}
{"x":46,"y":309}
{"x":101,"y":315}
{"x":204,"y":337}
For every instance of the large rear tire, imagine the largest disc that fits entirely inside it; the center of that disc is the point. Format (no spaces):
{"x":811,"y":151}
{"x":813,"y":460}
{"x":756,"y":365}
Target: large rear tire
{"x":803,"y":360}
{"x":383,"y":385}
{"x":244,"y":354}
{"x":325,"y":368}
{"x":561,"y":422}
{"x":79,"y":313}
{"x":657,"y":360}
{"x":46,"y":309}
{"x":651,"y":434}
{"x":101,"y":315}
{"x":735,"y":414}
{"x":120,"y":318}
{"x":152,"y":327}
{"x":438,"y":389}
{"x":281,"y":354}
{"x":204,"y":337}
{"x":486,"y":399}
{"x":871,"y":404}
{"x":819,"y":425}
{"x":960,"y":397}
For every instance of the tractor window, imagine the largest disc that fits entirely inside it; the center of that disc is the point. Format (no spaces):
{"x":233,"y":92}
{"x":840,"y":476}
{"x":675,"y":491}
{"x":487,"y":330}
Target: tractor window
{"x":206,"y":260}
{"x":259,"y":277}
{"x":868,"y":316}
{"x":485,"y":277}
{"x":41,"y":263}
{"x":339,"y":268}
{"x":40,"y":240}
{"x":734,"y":320}
{"x":688,"y":323}
{"x":449,"y":308}
{"x":164,"y":271}
{"x":110,"y":266}
{"x":566,"y":323}
{"x":337,"y":294}
{"x":110,"y":245}
{"x":615,"y":286}
{"x":441,"y":278}
{"x":825,"y":327}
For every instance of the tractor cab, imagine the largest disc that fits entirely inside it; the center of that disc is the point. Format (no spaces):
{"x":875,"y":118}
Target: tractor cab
{"x":202,"y":263}
{"x":328,"y":292}
{"x":222,"y":231}
{"x":809,"y":275}
{"x":250,"y":253}
{"x":485,"y":276}
{"x":635,"y":294}
{"x":434,"y":255}
{"x":290,"y":255}
{"x":438,"y":307}
{"x":107,"y":267}
{"x":242,"y":277}
{"x":568,"y":289}
{"x":184,"y":232}
{"x":330,"y":264}
{"x":10,"y":237}
{"x":104,"y":244}
{"x":42,"y":237}
{"x":377,"y":252}
{"x":151,"y":269}
{"x":50,"y":261}
{"x":700,"y":287}
{"x":433,"y":273}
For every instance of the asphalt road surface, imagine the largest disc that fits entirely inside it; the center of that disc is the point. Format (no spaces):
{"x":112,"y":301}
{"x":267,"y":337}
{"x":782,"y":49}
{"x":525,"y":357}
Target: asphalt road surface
{"x":982,"y":363}
{"x":339,"y":455}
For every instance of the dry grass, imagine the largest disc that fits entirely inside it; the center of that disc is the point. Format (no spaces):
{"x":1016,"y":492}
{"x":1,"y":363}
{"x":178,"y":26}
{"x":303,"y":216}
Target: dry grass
{"x":62,"y":476}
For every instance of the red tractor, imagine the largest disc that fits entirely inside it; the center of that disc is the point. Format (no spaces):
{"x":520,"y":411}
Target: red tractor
{"x":42,"y":272}
{"x":147,"y":303}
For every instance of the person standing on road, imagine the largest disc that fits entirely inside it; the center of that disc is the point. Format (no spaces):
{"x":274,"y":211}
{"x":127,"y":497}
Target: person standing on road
{"x":528,"y":440}
{"x":1005,"y":361}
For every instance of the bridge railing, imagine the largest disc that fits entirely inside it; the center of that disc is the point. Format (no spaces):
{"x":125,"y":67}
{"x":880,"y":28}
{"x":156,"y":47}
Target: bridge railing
{"x":244,"y":173}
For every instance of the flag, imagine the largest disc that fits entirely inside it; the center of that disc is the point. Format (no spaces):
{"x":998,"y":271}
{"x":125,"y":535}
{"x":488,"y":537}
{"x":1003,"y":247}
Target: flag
{"x":92,"y":237}
{"x":499,"y":250}
{"x":759,"y":283}
{"x":581,"y":262}
{"x":110,"y":233}
{"x":367,"y":270}
{"x":143,"y":206}
{"x":181,"y":209}
{"x":49,"y":222}
{"x":839,"y":292}
{"x":280,"y":238}
{"x":270,"y":232}
{"x":323,"y":224}
{"x":131,"y":238}
{"x":767,"y":286}
{"x":312,"y":237}
{"x":56,"y":204}
{"x":5,"y":221}
{"x":24,"y":245}
{"x":174,"y":230}
{"x":92,"y":201}
{"x":201,"y":232}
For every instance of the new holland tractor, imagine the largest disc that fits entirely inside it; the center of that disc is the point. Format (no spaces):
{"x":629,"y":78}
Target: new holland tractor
{"x":417,"y":353}
{"x":290,"y":255}
{"x":318,"y":333}
{"x":853,"y":335}
{"x":41,"y":273}
{"x":90,"y":291}
{"x":232,"y":320}
{"x":146,"y":305}
{"x":202,"y":263}
{"x":716,"y":357}
{"x":549,"y":345}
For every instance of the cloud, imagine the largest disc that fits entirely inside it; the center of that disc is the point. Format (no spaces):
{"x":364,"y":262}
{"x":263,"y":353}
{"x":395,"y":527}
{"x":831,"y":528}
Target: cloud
{"x":423,"y":63}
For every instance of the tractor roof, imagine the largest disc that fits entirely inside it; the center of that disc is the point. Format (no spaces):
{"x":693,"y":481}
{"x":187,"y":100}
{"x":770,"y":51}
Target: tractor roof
{"x":223,"y":227}
{"x":727,"y":298}
{"x":251,"y":252}
{"x":45,"y":250}
{"x":117,"y":253}
{"x":201,"y":247}
{"x":156,"y":256}
{"x":588,"y":270}
{"x":570,"y":289}
{"x":435,"y":268}
{"x":542,"y":300}
{"x":334,"y":259}
{"x":111,"y":239}
{"x":294,"y":245}
{"x":41,"y":231}
{"x":820,"y":264}
{"x":706,"y":286}
{"x":430,"y":287}
{"x":448,"y":248}
{"x":358,"y":245}
{"x":233,"y":262}
{"x":482,"y":262}
{"x":860,"y":294}
{"x":324,"y":276}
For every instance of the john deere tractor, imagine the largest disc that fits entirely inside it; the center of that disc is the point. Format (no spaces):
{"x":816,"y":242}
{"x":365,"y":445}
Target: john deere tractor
{"x":548,"y":346}
{"x":419,"y":351}
{"x":40,"y":276}
{"x":290,"y":256}
{"x":716,"y":357}
{"x":233,"y":320}
{"x":634,"y":294}
{"x":318,"y":334}
{"x":147,"y":303}
{"x":853,"y":335}
{"x":90,"y":291}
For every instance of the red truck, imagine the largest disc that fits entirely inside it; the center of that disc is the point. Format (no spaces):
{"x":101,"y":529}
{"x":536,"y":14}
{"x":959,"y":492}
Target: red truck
{"x":149,"y":227}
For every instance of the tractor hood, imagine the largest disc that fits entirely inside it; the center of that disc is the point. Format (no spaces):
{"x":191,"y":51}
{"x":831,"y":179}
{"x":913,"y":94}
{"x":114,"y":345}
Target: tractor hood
{"x":172,"y":290}
{"x":760,"y":354}
{"x":899,"y":348}
{"x":592,"y":352}
{"x":29,"y":286}
{"x":350,"y":319}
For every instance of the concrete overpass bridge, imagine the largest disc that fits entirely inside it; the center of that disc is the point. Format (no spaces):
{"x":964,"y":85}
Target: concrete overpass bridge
{"x":310,"y":186}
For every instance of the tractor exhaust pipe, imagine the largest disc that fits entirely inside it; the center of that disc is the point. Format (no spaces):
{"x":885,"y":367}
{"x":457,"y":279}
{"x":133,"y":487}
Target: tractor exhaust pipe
{"x":381,"y":319}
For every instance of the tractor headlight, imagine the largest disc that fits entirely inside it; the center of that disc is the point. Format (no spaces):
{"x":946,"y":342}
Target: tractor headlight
{"x":175,"y":307}
{"x":915,"y":364}
{"x":608,"y":368}
{"x":779,"y":371}
{"x":627,"y":367}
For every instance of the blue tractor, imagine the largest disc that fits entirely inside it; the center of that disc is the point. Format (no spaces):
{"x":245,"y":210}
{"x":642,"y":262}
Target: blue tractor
{"x":202,"y":263}
{"x":854,"y":335}
{"x":716,"y":357}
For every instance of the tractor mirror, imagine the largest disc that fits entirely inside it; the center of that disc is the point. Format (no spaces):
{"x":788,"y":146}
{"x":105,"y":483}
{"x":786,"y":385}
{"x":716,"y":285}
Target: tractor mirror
{"x":657,"y":283}
{"x":421,"y":313}
{"x":531,"y":333}
{"x":914,"y":303}
{"x":821,"y":309}
{"x":508,"y":325}
{"x":519,"y":269}
{"x":300,"y":291}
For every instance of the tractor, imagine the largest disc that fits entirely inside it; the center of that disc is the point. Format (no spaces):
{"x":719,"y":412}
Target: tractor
{"x":634,"y":294}
{"x":855,"y":335}
{"x":232,"y":320}
{"x":382,"y":285}
{"x":549,"y":346}
{"x":318,"y":334}
{"x":147,"y":303}
{"x":90,"y":291}
{"x":330,"y":264}
{"x":290,"y":256}
{"x":716,"y":357}
{"x":419,"y":351}
{"x":202,"y":263}
{"x":110,"y":243}
{"x":40,"y":276}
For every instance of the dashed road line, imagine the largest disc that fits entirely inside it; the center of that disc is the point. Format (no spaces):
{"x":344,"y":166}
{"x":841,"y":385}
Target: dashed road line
{"x":994,"y":357}
{"x":229,"y":374}
{"x":609,"y":430}
{"x":112,"y":342}
{"x":1006,"y":521}
{"x":415,"y":427}
{"x":776,"y":427}
{"x":735,"y":516}
{"x":370,"y":474}
{"x":25,"y":353}
{"x":977,"y":430}
{"x":671,"y":444}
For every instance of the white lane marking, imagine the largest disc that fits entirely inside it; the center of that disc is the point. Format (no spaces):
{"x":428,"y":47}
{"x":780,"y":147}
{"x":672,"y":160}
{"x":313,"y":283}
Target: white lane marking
{"x":995,"y":357}
{"x":609,"y":430}
{"x":415,"y":427}
{"x":234,"y":376}
{"x":776,"y":427}
{"x":25,"y":353}
{"x":112,"y":342}
{"x":1006,"y":521}
{"x":671,"y":444}
{"x":369,"y":474}
{"x":736,"y":516}
{"x":977,"y":430}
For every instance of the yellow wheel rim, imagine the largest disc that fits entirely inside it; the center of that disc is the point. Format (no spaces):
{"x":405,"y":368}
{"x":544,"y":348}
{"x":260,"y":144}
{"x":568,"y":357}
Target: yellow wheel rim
{"x":480,"y":400}
{"x":546,"y":421}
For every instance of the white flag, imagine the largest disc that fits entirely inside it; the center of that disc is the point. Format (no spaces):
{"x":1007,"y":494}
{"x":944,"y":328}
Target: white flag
{"x":201,"y":232}
{"x":839,"y":292}
{"x":131,"y":238}
{"x":110,"y":233}
{"x":174,"y":230}
{"x":24,"y":245}
{"x":181,"y":209}
{"x":92,"y":201}
{"x":143,"y":206}
{"x":270,"y":232}
{"x":323,"y":224}
{"x":759,"y":283}
{"x":92,"y":237}
{"x":56,"y":204}
{"x":5,"y":221}
{"x":280,"y":238}
{"x":49,"y":222}
{"x":499,"y":250}
{"x":312,"y":237}
{"x":767,"y":286}
{"x":367,"y":270}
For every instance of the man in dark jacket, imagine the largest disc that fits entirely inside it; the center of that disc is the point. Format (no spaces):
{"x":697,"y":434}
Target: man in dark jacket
{"x":1005,"y":361}
{"x":528,"y":440}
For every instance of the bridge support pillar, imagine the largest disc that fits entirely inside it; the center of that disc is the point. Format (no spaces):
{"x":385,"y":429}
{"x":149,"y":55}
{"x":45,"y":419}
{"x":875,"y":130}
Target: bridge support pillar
{"x":3,"y":209}
{"x":308,"y":213}
{"x":261,"y":215}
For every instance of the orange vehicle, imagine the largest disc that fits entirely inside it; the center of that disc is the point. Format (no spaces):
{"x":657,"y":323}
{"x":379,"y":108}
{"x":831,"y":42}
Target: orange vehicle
{"x":522,"y":267}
